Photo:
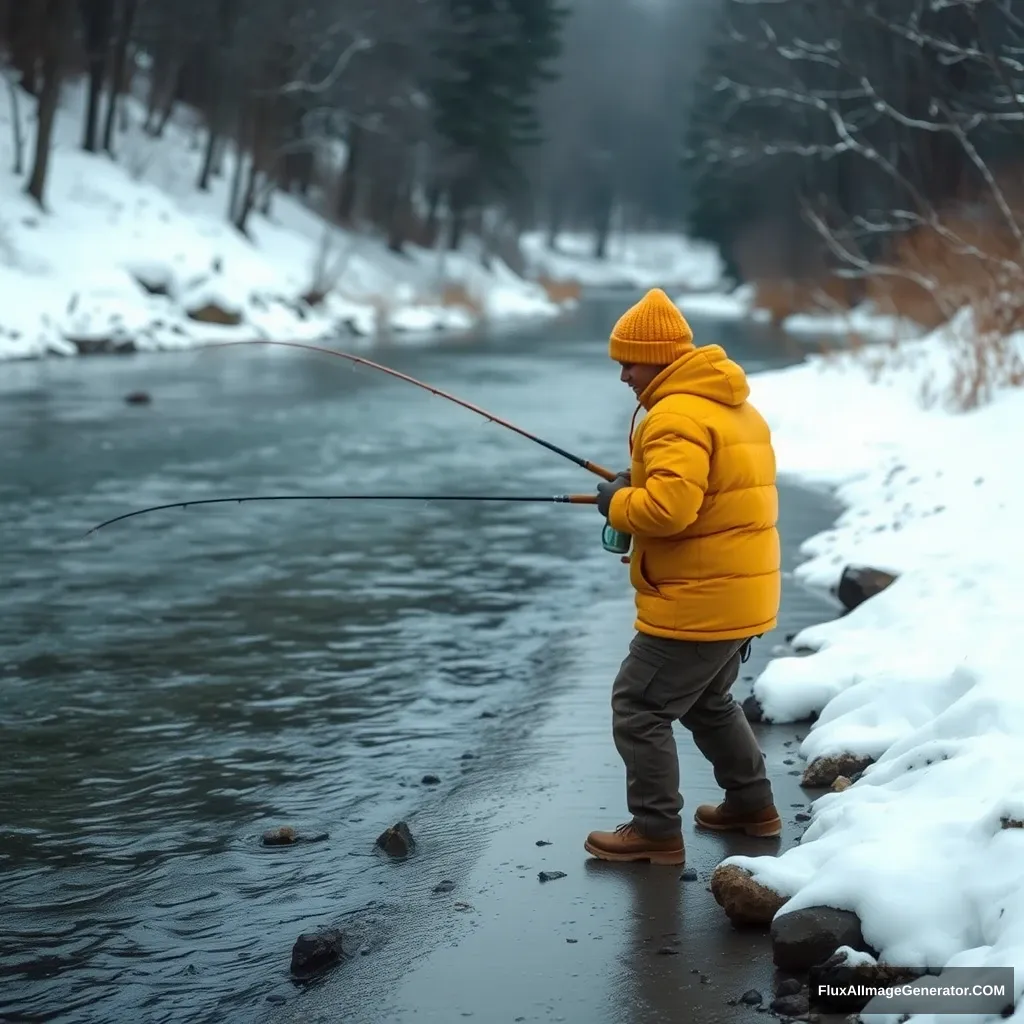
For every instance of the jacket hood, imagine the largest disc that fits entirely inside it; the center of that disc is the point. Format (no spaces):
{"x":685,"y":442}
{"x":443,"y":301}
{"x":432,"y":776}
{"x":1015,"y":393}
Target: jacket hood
{"x":706,"y":372}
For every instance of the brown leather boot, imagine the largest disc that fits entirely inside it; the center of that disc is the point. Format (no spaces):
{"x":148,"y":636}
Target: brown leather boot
{"x":626,"y":843}
{"x":765,"y":822}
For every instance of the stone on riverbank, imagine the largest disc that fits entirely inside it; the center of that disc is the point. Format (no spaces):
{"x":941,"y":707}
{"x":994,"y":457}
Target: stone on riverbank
{"x":214,"y":313}
{"x":846,"y":968}
{"x":397,"y":841}
{"x":314,"y":952}
{"x":752,"y":710}
{"x":791,"y":1006}
{"x":822,"y":772}
{"x":859,"y":583}
{"x":550,"y":876}
{"x":744,"y":901}
{"x":807,"y":937}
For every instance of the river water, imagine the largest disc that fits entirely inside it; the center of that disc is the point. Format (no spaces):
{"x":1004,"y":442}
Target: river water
{"x":179,"y":682}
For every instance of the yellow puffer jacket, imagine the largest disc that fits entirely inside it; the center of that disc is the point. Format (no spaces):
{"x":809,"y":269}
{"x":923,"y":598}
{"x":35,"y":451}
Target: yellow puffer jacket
{"x":702,"y":506}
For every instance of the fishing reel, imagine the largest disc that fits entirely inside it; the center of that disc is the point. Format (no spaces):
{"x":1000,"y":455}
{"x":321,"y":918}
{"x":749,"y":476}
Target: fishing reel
{"x":615,"y":541}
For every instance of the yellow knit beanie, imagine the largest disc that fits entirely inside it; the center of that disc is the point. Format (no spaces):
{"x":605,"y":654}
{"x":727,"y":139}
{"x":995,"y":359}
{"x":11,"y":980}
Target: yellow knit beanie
{"x":652,"y":332}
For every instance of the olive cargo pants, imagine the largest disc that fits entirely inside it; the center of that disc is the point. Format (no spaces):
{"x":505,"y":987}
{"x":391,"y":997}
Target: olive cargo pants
{"x":661,"y":681}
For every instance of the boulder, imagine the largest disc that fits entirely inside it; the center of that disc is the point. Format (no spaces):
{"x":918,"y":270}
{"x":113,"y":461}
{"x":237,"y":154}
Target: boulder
{"x":822,"y":772}
{"x":745,"y":901}
{"x":284,"y":836}
{"x":752,"y":710}
{"x":314,"y":952}
{"x":397,"y":841}
{"x":213,"y":313}
{"x":828,"y":980}
{"x":858,"y":583}
{"x":791,"y":1006}
{"x":287,"y":836}
{"x":803,"y":938}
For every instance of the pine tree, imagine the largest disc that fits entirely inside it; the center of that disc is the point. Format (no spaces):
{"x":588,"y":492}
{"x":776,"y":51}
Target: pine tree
{"x":491,"y":58}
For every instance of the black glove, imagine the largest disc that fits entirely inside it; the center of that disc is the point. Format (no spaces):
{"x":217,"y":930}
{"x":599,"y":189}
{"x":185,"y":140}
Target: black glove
{"x":607,"y":488}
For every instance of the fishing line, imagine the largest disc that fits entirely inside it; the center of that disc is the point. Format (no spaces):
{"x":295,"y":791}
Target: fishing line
{"x":591,"y":467}
{"x":557,"y":499}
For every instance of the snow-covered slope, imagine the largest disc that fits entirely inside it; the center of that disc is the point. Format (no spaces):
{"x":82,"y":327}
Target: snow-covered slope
{"x":113,"y":232}
{"x":925,"y":677}
{"x":653,"y":260}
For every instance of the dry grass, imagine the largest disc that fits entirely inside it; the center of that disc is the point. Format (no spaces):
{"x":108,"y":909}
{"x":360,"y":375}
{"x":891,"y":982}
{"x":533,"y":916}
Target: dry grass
{"x":974,"y":262}
{"x":783,"y":298}
{"x":454,"y":295}
{"x":560,"y":291}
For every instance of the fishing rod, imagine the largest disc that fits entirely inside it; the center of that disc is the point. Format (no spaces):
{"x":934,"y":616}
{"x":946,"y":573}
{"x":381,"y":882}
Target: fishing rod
{"x":592,"y":467}
{"x":558,"y":499}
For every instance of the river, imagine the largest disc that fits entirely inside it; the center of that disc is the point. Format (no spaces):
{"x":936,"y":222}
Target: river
{"x":175,"y":684}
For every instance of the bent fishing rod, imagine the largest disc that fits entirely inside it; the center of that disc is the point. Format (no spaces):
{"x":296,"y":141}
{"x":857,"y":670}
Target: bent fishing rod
{"x":558,"y":499}
{"x":591,"y":467}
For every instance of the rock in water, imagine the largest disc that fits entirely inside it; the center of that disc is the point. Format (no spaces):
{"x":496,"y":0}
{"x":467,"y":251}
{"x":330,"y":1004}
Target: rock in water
{"x":822,"y":772}
{"x":859,"y":583}
{"x":810,"y":936}
{"x":397,"y":841}
{"x":550,"y":876}
{"x":745,"y":901}
{"x":689,"y":875}
{"x":430,"y":780}
{"x":283,"y":836}
{"x":138,"y":398}
{"x":314,"y":952}
{"x":444,"y":886}
{"x":752,"y":998}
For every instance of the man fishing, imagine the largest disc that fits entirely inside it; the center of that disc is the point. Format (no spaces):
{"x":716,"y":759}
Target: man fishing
{"x":701,"y":506}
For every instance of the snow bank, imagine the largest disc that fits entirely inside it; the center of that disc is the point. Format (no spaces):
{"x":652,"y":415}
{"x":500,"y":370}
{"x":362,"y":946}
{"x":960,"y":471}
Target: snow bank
{"x":864,"y":321}
{"x":925,"y":677}
{"x":734,"y":305}
{"x":130,"y":253}
{"x":652,"y":260}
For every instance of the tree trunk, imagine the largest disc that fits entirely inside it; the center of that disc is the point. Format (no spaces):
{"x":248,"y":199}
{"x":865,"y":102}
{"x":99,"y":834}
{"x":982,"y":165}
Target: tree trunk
{"x":24,"y":30}
{"x":117,"y":80}
{"x":458,"y":230}
{"x":18,"y":140}
{"x":556,"y":214}
{"x":248,"y":200}
{"x":348,"y":192}
{"x":433,"y":224}
{"x":206,"y":172}
{"x":603,"y":224}
{"x":97,"y":20}
{"x":57,"y":30}
{"x":401,"y":219}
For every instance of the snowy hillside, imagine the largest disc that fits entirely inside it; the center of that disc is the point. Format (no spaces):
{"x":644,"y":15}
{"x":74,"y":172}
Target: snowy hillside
{"x":632,"y":260}
{"x":127,"y":250}
{"x":927,"y":847}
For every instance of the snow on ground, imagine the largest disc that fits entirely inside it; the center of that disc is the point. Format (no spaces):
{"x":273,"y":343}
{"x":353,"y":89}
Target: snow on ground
{"x":927,"y":676}
{"x":654,"y":260}
{"x":864,"y":321}
{"x":126,"y":250}
{"x":735,"y":305}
